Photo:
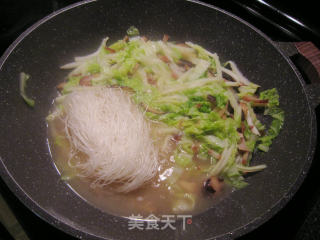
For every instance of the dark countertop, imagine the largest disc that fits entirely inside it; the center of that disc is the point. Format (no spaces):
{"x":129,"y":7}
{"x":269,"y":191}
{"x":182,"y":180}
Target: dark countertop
{"x":280,"y":20}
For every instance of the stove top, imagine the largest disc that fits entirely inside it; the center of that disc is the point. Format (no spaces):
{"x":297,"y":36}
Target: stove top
{"x":281,"y":21}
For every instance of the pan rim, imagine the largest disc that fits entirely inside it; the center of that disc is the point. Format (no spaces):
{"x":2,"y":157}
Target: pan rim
{"x":253,"y":224}
{"x":5,"y":175}
{"x":258,"y":221}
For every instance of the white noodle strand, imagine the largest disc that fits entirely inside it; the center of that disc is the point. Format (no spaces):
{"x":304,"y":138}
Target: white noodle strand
{"x":110,"y":130}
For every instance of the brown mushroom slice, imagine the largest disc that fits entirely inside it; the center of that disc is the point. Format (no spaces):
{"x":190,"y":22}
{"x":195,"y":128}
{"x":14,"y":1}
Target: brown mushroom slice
{"x":213,"y":184}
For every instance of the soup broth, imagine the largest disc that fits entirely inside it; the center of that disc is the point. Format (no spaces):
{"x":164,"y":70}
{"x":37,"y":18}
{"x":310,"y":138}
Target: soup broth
{"x":171,"y":191}
{"x":159,"y":127}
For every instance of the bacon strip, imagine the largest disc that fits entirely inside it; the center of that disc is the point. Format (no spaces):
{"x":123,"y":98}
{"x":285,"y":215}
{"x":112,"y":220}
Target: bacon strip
{"x":185,"y":64}
{"x":174,"y":75}
{"x":126,"y":38}
{"x":151,"y":79}
{"x":164,"y":58}
{"x":214,"y":154}
{"x":183,"y":45}
{"x":256,"y":101}
{"x":110,"y":49}
{"x":248,"y":119}
{"x":144,"y":38}
{"x":245,"y":158}
{"x":222,"y":112}
{"x":242,"y":146}
{"x":135,"y":68}
{"x":86,"y":81}
{"x":125,"y":88}
{"x":148,"y":109}
{"x":165,"y":38}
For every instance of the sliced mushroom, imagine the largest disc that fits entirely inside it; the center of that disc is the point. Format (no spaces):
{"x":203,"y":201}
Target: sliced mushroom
{"x":60,"y":86}
{"x":213,"y":184}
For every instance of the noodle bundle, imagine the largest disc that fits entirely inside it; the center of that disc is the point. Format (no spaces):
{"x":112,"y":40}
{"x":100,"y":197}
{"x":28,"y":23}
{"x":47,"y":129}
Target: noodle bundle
{"x":109,"y":129}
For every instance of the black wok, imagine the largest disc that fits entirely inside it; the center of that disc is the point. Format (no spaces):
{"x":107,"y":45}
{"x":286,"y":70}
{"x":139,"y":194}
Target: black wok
{"x":25,"y":161}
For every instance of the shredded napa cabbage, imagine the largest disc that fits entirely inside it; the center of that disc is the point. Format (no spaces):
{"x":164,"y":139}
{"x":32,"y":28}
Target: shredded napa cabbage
{"x":185,"y":86}
{"x":22,"y":84}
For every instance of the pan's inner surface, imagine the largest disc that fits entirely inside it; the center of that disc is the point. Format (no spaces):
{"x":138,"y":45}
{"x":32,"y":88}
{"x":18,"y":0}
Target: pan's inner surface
{"x":26,"y":162}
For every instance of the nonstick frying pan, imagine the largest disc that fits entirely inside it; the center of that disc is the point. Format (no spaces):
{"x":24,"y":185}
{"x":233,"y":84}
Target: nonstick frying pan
{"x":26,"y":165}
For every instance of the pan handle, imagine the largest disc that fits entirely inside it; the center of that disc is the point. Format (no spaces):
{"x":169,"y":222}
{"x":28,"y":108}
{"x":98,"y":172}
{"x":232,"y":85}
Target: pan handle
{"x":306,"y":58}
